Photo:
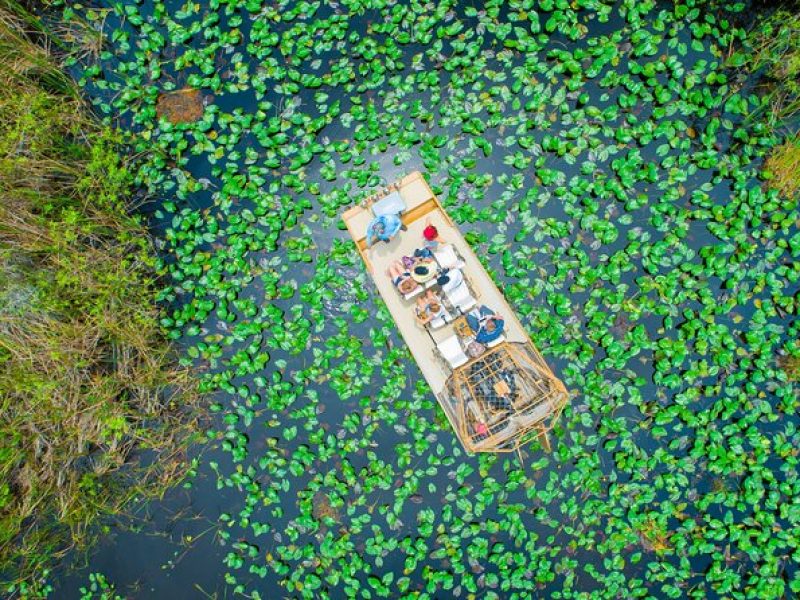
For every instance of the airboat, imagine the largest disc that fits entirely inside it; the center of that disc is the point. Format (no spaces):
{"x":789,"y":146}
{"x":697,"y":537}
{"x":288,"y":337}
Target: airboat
{"x":490,"y":380}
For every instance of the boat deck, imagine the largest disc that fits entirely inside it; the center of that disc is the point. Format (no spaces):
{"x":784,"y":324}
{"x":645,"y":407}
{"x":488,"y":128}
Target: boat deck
{"x":423,"y":208}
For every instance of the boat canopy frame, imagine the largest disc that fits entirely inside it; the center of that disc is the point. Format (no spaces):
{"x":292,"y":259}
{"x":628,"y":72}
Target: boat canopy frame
{"x":538,"y":397}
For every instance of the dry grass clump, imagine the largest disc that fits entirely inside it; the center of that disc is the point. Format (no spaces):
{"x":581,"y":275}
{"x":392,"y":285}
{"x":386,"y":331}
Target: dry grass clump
{"x":783,"y":164}
{"x":88,"y":383}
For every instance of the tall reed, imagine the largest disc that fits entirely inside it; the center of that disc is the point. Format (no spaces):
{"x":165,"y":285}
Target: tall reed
{"x":773,"y":51}
{"x":89,"y":385}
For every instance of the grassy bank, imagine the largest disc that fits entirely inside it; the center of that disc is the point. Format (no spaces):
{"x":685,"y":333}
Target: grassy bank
{"x":88,"y":386}
{"x":783,"y":166}
{"x":772,"y":51}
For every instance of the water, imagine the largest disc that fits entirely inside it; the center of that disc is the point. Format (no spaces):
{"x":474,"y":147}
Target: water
{"x":368,"y":432}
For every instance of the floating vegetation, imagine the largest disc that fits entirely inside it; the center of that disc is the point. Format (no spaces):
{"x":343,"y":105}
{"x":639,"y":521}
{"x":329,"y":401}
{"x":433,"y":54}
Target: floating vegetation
{"x":606,"y":161}
{"x":99,"y":588}
{"x":653,"y":537}
{"x":322,"y":508}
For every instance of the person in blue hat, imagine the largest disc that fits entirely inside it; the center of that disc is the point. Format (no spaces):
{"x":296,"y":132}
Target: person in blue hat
{"x":486,"y":324}
{"x":383,"y":228}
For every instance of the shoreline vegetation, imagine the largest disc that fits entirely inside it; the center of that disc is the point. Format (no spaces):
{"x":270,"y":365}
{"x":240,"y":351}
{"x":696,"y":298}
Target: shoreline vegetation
{"x":95,"y":413}
{"x":771,"y":50}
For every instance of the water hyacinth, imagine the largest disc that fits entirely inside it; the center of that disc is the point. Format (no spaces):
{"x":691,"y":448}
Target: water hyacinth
{"x":599,"y":157}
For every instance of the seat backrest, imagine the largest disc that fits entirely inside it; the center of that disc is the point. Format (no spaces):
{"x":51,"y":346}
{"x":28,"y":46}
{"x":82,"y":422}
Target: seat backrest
{"x":391,"y":204}
{"x":450,"y":345}
{"x":458,"y":294}
{"x":446,"y":256}
{"x":456,"y":278}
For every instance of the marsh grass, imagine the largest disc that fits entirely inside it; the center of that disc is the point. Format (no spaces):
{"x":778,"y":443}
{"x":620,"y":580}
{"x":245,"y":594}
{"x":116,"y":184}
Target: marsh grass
{"x":774,"y":51}
{"x":783,"y":165}
{"x":24,"y":62}
{"x":88,"y":383}
{"x":84,"y":38}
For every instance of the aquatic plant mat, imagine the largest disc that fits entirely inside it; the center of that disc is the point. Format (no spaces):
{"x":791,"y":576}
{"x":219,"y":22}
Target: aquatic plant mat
{"x":608,"y":171}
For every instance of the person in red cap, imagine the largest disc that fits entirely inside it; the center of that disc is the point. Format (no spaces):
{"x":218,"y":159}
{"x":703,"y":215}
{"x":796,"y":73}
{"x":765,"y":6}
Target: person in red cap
{"x":431,"y":235}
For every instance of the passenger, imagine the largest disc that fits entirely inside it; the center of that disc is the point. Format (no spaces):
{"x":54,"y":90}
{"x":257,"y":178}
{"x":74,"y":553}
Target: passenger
{"x":429,"y":306}
{"x":401,"y":278}
{"x":476,"y":421}
{"x":431,"y":235}
{"x":487,"y":325}
{"x":493,"y":328}
{"x":383,"y":228}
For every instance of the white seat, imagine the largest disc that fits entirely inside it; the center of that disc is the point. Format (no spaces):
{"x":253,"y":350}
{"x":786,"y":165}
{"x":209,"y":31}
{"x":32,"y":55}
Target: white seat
{"x":455,"y":279}
{"x":461,"y":297}
{"x":391,"y":204}
{"x":447,"y":258}
{"x":441,"y":320}
{"x":452,"y":351}
{"x":417,"y":291}
{"x":457,"y":291}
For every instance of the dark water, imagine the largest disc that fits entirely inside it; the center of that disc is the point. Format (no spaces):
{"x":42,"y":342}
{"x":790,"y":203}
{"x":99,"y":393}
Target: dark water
{"x":573,"y":517}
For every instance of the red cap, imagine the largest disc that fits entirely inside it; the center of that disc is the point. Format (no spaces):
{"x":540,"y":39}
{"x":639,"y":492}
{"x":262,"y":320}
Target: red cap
{"x":430,"y":233}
